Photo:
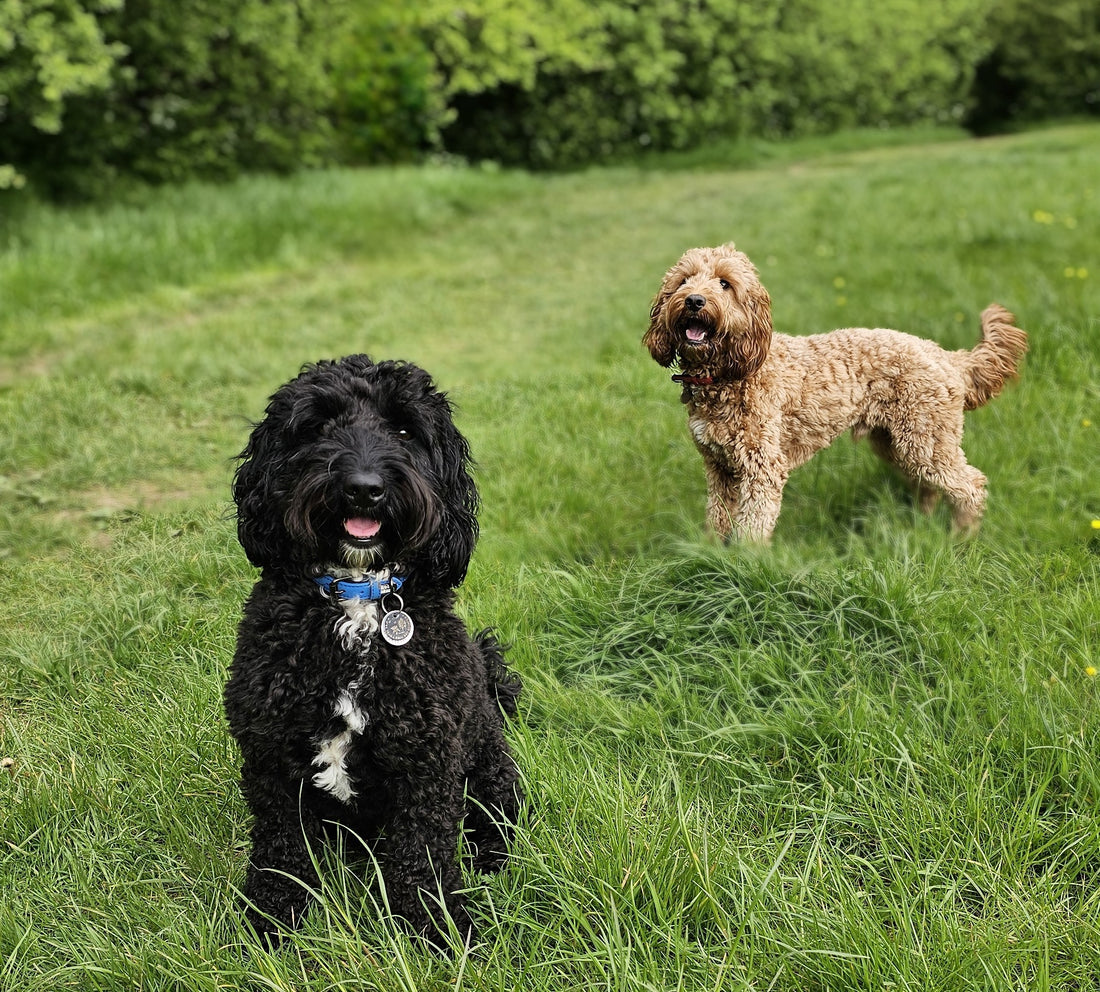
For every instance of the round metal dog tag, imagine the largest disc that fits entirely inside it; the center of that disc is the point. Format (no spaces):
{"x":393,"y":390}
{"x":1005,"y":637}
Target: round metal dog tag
{"x":396,"y":627}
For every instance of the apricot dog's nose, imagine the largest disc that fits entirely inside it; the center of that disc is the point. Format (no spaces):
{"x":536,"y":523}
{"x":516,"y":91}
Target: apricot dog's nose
{"x":695,"y":302}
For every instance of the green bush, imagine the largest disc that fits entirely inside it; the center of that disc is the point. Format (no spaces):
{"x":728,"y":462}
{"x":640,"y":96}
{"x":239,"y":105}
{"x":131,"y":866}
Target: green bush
{"x":666,"y":74}
{"x":213,"y":86}
{"x":389,"y":102}
{"x":207,"y":88}
{"x":1045,"y":62}
{"x":50,"y":52}
{"x":164,"y":90}
{"x":670,"y":74}
{"x":498,"y":58}
{"x":874,"y":63}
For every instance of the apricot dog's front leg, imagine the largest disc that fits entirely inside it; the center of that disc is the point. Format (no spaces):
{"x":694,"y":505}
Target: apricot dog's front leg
{"x":760,"y":500}
{"x":745,"y":480}
{"x":723,"y":494}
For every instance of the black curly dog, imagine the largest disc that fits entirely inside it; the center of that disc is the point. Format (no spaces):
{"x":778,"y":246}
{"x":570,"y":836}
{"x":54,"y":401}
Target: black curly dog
{"x":357,"y":696}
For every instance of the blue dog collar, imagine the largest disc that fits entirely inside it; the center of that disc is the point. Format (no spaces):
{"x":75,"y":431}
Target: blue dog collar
{"x":372,"y":589}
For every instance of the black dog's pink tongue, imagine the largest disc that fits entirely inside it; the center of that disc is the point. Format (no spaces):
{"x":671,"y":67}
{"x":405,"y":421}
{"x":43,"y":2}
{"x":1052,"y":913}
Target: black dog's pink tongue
{"x":361,"y":527}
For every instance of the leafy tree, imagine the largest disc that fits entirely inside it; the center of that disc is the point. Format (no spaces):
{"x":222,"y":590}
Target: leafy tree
{"x":389,"y":101}
{"x":196,"y":88}
{"x":1045,"y":61}
{"x":50,"y":52}
{"x":876,"y":63}
{"x":170,"y":89}
{"x":671,"y":74}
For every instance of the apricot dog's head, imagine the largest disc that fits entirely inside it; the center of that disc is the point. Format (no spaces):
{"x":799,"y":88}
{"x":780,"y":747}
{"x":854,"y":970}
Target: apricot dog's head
{"x":711,"y":315}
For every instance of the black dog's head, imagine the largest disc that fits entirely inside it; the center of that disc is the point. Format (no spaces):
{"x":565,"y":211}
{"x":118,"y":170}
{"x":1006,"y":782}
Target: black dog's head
{"x":360,"y":464}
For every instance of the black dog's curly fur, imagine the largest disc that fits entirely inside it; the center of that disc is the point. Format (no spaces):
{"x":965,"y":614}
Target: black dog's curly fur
{"x":409,"y":740}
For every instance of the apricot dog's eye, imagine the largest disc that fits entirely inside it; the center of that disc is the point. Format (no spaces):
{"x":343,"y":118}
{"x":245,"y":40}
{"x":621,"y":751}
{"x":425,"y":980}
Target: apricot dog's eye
{"x":723,"y":284}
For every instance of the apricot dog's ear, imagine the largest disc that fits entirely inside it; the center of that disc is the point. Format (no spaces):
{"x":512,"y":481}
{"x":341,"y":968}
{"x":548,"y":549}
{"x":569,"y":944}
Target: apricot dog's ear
{"x":748,"y":350}
{"x":659,"y":339}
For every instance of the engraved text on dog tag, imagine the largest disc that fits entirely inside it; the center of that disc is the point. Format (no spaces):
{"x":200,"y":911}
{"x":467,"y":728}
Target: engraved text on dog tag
{"x":396,"y":627}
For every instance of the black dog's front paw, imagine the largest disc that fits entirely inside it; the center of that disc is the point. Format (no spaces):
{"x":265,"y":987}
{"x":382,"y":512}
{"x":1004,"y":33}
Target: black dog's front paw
{"x":273,"y":910}
{"x":463,"y":922}
{"x":266,"y":931}
{"x":490,"y":858}
{"x":447,"y":936}
{"x":441,"y":927}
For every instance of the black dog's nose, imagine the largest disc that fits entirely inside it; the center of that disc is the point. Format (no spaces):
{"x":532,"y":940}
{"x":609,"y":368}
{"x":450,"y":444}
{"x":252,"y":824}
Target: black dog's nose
{"x":364,"y":489}
{"x":695,"y":302}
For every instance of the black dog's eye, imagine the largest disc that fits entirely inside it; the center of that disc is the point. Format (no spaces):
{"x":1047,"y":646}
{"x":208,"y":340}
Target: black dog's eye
{"x":723,"y":284}
{"x":404,"y":434}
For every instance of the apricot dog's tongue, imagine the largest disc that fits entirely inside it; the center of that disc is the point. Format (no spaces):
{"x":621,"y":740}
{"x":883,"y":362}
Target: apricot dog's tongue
{"x":361,"y":527}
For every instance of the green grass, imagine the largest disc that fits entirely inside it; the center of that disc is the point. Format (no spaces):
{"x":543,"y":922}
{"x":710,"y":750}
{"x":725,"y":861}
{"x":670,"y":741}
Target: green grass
{"x":865,"y":758}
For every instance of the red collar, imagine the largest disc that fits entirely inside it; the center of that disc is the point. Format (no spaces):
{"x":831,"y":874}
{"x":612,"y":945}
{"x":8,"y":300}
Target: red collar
{"x":694,"y":380}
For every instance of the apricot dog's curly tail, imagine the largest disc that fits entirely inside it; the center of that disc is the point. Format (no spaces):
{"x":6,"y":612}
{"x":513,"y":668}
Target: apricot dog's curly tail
{"x":996,"y":358}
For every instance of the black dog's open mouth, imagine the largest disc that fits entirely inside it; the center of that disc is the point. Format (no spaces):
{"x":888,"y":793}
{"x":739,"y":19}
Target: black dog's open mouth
{"x":361,"y":531}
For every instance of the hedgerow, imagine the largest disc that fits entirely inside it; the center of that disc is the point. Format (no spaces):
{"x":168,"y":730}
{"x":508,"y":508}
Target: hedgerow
{"x":93,"y":89}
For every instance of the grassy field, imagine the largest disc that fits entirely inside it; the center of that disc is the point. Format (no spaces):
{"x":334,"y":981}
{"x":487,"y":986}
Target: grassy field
{"x":865,"y":758}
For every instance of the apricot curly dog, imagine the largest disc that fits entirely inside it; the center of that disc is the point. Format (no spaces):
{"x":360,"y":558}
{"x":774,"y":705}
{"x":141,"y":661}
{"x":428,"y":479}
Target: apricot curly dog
{"x":761,"y":403}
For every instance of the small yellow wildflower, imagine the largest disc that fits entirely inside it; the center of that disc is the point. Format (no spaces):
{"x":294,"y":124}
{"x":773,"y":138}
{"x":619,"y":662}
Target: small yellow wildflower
{"x":838,"y":282}
{"x":1090,"y":671}
{"x":959,"y":316}
{"x":841,"y":300}
{"x":1042,"y":217}
{"x":1082,"y":273}
{"x":1086,"y":422}
{"x":1095,"y":525}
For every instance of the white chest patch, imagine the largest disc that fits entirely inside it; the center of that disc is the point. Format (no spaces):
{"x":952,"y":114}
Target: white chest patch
{"x":332,"y":754}
{"x":699,"y":432}
{"x":354,"y":628}
{"x":358,"y":624}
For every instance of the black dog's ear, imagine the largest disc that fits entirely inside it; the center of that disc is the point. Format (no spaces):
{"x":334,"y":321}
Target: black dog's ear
{"x":447,"y":554}
{"x":260,"y":527}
